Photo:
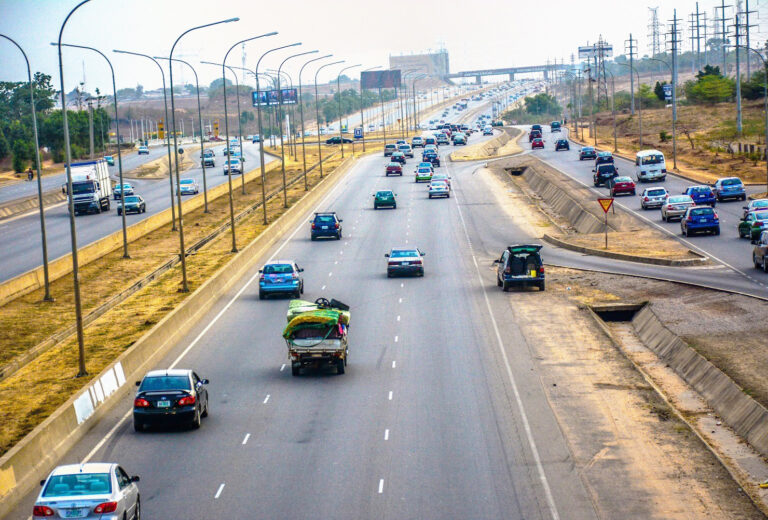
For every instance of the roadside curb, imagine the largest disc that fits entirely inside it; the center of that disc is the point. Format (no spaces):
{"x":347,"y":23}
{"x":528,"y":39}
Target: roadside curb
{"x":492,"y":142}
{"x":33,"y":457}
{"x":29,"y":203}
{"x":688,"y":262}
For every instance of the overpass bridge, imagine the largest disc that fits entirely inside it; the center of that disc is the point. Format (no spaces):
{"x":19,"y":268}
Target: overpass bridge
{"x":510,"y":71}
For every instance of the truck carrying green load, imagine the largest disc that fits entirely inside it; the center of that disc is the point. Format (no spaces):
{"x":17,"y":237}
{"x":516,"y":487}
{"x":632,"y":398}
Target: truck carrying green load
{"x":316,"y":334}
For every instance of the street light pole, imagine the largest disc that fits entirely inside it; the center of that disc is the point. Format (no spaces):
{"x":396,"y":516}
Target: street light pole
{"x":301,"y":113}
{"x":280,"y":106}
{"x":47,"y":297}
{"x":317,"y":115}
{"x":200,"y":121}
{"x":72,"y":230}
{"x":338,"y":88}
{"x":362,"y":119}
{"x":182,"y":250}
{"x":258,"y":111}
{"x":765,"y":109}
{"x":639,"y":103}
{"x":167,"y":140}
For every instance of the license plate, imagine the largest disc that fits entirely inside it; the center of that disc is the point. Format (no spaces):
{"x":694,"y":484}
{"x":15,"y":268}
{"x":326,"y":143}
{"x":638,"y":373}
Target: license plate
{"x":163,"y":404}
{"x":325,"y":227}
{"x":73,"y":513}
{"x":705,"y":220}
{"x":405,"y":263}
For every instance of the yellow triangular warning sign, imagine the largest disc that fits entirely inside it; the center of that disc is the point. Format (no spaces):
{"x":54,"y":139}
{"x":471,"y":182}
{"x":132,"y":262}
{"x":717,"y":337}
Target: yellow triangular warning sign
{"x":606,"y":204}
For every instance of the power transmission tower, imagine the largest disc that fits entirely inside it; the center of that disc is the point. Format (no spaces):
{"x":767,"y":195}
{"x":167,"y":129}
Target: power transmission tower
{"x":704,"y":28}
{"x":654,"y":34}
{"x":631,"y":51}
{"x":747,"y":29}
{"x":723,"y":32}
{"x":696,"y":37}
{"x":738,"y":34}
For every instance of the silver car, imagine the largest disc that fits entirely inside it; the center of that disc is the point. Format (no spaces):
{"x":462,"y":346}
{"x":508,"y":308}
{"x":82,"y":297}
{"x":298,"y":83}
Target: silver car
{"x":96,"y":490}
{"x":439,"y":188}
{"x":653,"y":197}
{"x":188,"y":187}
{"x":675,"y":207}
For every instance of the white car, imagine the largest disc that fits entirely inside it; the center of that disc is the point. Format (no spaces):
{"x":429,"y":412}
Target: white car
{"x":439,"y":189}
{"x":143,"y":150}
{"x":653,"y":197}
{"x":234,"y":164}
{"x":188,"y":187}
{"x":675,"y":207}
{"x":95,"y":490}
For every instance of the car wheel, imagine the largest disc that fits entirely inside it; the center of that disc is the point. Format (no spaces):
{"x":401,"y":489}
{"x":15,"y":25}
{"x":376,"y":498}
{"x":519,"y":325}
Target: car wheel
{"x":430,"y":195}
{"x":744,"y":197}
{"x":389,"y":275}
{"x":541,"y":286}
{"x":504,"y":286}
{"x":686,"y":233}
{"x":137,"y":426}
{"x":664,"y":218}
{"x":196,"y":420}
{"x":296,"y":370}
{"x":340,"y":366}
{"x":754,"y":261}
{"x":498,"y":281}
{"x":633,"y":192}
{"x":741,"y":235}
{"x":765,"y":265}
{"x":205,"y":412}
{"x":302,"y":287}
{"x":338,"y":237}
{"x":717,"y":231}
{"x":312,"y":238}
{"x":137,"y":512}
{"x":297,"y":293}
{"x":394,"y":206}
{"x":261,"y":295}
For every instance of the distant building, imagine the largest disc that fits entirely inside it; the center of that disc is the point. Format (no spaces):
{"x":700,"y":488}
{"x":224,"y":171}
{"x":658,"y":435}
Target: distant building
{"x":435,"y":64}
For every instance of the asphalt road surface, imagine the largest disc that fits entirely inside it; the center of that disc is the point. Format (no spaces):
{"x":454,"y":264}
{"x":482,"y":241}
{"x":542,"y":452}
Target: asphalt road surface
{"x":727,"y":249}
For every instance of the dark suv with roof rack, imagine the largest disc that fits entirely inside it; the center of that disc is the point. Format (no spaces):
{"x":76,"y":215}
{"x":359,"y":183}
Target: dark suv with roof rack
{"x":325,"y":225}
{"x":520,"y":265}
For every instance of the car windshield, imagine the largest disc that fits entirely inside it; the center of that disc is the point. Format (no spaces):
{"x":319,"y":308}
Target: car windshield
{"x":82,"y":187}
{"x":657,"y":193}
{"x":131,"y":199}
{"x":680,"y":200}
{"x":697,"y":212}
{"x":400,"y":253}
{"x":652,"y":159}
{"x":77,"y":485}
{"x":731,"y":182}
{"x":166,"y":382}
{"x":187,"y":181}
{"x":384,"y":194}
{"x":278,"y":269}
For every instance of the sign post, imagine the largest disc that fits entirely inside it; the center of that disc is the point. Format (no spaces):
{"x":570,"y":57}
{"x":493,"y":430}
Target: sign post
{"x":606,"y":205}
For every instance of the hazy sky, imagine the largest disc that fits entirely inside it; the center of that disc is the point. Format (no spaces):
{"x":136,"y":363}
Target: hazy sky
{"x":476,"y":33}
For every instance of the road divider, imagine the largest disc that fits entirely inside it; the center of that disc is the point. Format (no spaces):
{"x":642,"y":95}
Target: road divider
{"x":503,"y":145}
{"x":27,"y":204}
{"x":37,"y":453}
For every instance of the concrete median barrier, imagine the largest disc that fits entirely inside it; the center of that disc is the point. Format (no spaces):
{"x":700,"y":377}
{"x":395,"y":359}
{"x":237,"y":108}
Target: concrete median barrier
{"x":489,"y":149}
{"x":22,"y":467}
{"x":746,"y":416}
{"x":27,"y":204}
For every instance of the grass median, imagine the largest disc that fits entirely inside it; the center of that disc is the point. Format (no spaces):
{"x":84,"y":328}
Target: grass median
{"x":32,"y":393}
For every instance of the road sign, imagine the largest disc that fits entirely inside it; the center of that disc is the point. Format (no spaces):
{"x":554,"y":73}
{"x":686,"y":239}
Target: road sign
{"x":358,"y":133}
{"x":667,"y":91}
{"x":606,"y":204}
{"x":216,"y":128}
{"x":161,"y":130}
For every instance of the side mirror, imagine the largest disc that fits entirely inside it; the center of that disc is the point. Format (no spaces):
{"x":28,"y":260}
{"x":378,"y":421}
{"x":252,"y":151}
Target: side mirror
{"x":261,"y":270}
{"x":138,"y":383}
{"x":593,"y":169}
{"x":205,"y":381}
{"x":301,"y":269}
{"x":497,"y":261}
{"x":135,"y":478}
{"x":341,"y":220}
{"x":386,"y":255}
{"x":42,"y":482}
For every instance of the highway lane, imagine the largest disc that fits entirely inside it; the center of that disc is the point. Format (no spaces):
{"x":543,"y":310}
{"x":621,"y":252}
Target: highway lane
{"x":431,"y":420}
{"x":728,"y":248}
{"x":21,"y":235}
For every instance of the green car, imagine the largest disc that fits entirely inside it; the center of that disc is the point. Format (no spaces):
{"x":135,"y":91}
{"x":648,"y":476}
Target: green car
{"x":110,"y":160}
{"x":423,"y":173}
{"x":384,"y":198}
{"x":753,"y":224}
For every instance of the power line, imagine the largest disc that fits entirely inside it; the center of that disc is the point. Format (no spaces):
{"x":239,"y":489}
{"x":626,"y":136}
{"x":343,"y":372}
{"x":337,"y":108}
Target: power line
{"x":723,"y":32}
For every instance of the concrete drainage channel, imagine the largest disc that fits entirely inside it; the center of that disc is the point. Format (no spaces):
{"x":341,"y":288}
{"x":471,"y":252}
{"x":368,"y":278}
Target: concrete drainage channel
{"x":713,"y":406}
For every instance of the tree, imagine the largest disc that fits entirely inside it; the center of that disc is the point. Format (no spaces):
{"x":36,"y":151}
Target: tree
{"x":21,"y":154}
{"x":709,"y":70}
{"x":710,"y":89}
{"x":139,"y":91}
{"x":5,"y":150}
{"x":659,"y":91}
{"x":216,"y":84}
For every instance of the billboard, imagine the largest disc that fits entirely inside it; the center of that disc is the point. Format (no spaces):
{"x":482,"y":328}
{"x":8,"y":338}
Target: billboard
{"x":271,"y":98}
{"x":374,"y":79}
{"x":591,"y":51}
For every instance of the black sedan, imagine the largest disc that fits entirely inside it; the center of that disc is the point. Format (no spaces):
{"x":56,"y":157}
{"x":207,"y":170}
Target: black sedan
{"x":170,"y":396}
{"x":562,"y":144}
{"x":587,"y":152}
{"x":132,"y":203}
{"x":338,"y":140}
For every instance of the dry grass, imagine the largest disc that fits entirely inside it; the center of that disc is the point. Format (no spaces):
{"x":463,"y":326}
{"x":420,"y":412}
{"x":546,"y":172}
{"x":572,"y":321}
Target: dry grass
{"x":37,"y":389}
{"x":641,"y":242}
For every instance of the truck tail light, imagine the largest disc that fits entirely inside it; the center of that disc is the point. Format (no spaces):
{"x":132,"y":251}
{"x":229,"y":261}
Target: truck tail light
{"x":186,"y":401}
{"x":140,"y":403}
{"x":105,"y":507}
{"x":42,"y":511}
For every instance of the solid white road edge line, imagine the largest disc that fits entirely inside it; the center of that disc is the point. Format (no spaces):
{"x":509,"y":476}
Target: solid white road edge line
{"x":208,"y":327}
{"x":511,"y":377}
{"x":390,"y":395}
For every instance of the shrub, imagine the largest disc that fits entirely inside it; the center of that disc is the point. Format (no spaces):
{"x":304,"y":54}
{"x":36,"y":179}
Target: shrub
{"x":664,"y":136}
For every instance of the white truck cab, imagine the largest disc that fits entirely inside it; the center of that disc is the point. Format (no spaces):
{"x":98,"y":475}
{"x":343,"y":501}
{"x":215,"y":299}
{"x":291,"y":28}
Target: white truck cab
{"x":650,"y":166}
{"x":91,"y":187}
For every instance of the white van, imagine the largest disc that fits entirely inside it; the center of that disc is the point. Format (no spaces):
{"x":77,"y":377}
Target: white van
{"x":650,"y":166}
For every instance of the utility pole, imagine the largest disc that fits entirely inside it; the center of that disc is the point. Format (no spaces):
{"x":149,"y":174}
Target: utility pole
{"x":747,"y":28}
{"x":90,"y":125}
{"x":723,"y":33}
{"x":631,"y":74}
{"x":737,"y":37}
{"x":706,"y":48}
{"x":675,"y":41}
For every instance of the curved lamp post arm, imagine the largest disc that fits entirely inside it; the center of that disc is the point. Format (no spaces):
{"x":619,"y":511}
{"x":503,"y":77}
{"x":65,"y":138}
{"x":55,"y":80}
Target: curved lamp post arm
{"x":317,"y":114}
{"x":338,"y":87}
{"x":301,"y":114}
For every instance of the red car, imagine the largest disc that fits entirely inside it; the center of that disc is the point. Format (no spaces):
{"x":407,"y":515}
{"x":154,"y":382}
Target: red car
{"x":537,"y":143}
{"x":394,"y":168}
{"x":533,"y":134}
{"x":622,"y":185}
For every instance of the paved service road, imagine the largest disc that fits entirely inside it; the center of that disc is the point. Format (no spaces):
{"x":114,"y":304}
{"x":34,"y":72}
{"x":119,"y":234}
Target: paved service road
{"x":21,"y":235}
{"x":441,"y":413}
{"x":727,"y":248}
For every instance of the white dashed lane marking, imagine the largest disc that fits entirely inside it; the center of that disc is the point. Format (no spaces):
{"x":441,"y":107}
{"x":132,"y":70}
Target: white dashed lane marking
{"x":221,"y":488}
{"x":247,"y":436}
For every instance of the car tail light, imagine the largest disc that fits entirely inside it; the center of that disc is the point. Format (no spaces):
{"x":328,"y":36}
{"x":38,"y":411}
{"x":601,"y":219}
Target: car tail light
{"x":541,"y":270}
{"x":337,"y":225}
{"x":313,"y":225}
{"x":42,"y":511}
{"x":186,"y":401}
{"x":645,"y":199}
{"x":140,"y":403}
{"x":715,"y":215}
{"x":416,"y":262}
{"x":508,"y":270}
{"x":295,"y":276}
{"x":105,"y":507}
{"x":689,"y":219}
{"x":393,"y":263}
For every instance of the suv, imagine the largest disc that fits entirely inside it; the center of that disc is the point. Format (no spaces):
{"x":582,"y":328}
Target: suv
{"x":280,"y":277}
{"x":604,"y":174}
{"x":701,"y":195}
{"x":417,"y":141}
{"x":325,"y":225}
{"x":442,"y":138}
{"x":554,"y":126}
{"x":603,"y":158}
{"x":760,"y":252}
{"x":208,"y":158}
{"x":653,"y":197}
{"x":406,"y":149}
{"x":536,"y":127}
{"x":699,"y":218}
{"x":389,"y":149}
{"x":520,"y":264}
{"x":729,"y":188}
{"x":533,"y":134}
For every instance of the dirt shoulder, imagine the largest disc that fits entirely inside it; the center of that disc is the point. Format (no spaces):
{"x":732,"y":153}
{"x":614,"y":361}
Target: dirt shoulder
{"x":634,"y":457}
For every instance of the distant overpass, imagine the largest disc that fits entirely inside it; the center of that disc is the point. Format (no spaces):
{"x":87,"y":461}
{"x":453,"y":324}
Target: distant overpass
{"x":510,"y":71}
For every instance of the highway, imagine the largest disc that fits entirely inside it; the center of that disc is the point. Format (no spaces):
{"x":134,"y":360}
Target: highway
{"x":431,"y":420}
{"x":726,"y":249}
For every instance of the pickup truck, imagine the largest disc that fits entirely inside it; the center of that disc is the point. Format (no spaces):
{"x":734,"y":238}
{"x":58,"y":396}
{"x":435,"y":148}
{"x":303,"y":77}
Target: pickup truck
{"x":316,"y":334}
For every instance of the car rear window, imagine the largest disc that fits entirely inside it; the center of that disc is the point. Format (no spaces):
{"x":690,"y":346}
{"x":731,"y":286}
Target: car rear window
{"x":394,"y":165}
{"x":657,"y":193}
{"x":700,"y":189}
{"x":78,"y":484}
{"x":425,"y":170}
{"x":186,"y":181}
{"x":384,"y":194}
{"x":164,"y":383}
{"x":403,"y":253}
{"x":324,"y":219}
{"x":763,"y":215}
{"x":391,"y":146}
{"x":278,"y":269}
{"x":622,"y":179}
{"x":731,"y":182}
{"x":698,"y":212}
{"x":652,"y":159}
{"x":760,"y":204}
{"x":679,"y":200}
